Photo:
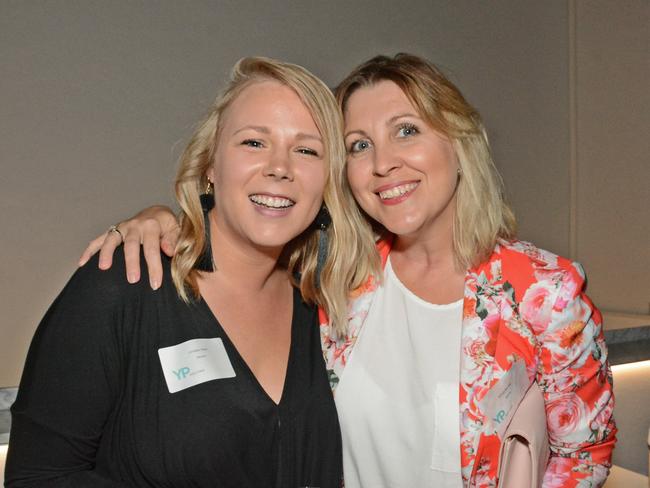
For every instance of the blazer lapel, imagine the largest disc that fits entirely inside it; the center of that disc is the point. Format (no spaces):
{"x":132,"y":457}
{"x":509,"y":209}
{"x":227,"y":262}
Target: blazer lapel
{"x":476,"y":364}
{"x":495,"y":358}
{"x":479,"y":370}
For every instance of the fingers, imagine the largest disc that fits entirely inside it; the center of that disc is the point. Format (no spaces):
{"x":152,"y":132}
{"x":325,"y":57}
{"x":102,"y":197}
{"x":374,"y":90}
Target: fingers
{"x":132,"y":255}
{"x":94,"y":246}
{"x":111,"y":241}
{"x":151,"y":243}
{"x":170,"y":229}
{"x":146,"y":232}
{"x":154,"y":228}
{"x":169,"y":240}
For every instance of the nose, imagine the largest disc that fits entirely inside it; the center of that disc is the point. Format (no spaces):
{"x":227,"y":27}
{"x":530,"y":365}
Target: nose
{"x":278,"y":165}
{"x":385,"y":161}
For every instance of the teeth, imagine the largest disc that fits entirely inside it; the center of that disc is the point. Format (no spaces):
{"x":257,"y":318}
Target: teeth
{"x":271,"y":202}
{"x":397,"y":191}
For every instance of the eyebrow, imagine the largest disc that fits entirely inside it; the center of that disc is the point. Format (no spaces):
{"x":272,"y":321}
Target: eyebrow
{"x":357,"y":131}
{"x":265,"y":130}
{"x":390,"y":121}
{"x":303,"y":135}
{"x":394,"y":118}
{"x":258,"y":128}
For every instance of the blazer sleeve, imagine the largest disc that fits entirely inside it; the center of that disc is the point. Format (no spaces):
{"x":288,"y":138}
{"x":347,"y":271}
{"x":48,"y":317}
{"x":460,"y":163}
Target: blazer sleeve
{"x":68,"y":388}
{"x":577,"y":383}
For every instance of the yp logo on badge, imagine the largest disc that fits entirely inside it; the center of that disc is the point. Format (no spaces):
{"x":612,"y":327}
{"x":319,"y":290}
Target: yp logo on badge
{"x":182,"y":373}
{"x":194,"y":362}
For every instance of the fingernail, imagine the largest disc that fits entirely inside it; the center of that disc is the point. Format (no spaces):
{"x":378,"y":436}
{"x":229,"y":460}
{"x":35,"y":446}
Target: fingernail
{"x":155,"y":285}
{"x":131,"y":278}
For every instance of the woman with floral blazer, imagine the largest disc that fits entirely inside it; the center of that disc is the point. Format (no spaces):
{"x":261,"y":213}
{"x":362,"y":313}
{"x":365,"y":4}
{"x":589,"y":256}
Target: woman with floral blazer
{"x":522,"y":303}
{"x":419,"y":165}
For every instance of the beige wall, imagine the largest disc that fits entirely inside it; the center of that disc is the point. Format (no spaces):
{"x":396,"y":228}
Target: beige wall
{"x":613,"y":151}
{"x":612,"y":204}
{"x":97,"y":99}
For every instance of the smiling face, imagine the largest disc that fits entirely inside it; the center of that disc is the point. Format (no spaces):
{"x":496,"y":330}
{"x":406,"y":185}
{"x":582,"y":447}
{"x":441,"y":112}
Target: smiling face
{"x":269,"y":169}
{"x":402,"y":172}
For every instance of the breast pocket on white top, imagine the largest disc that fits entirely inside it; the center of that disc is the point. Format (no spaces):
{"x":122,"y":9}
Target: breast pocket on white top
{"x":445,"y":455}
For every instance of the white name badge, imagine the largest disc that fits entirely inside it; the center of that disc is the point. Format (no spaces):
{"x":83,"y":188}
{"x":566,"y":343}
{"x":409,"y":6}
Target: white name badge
{"x":500,"y":403}
{"x":194,"y":362}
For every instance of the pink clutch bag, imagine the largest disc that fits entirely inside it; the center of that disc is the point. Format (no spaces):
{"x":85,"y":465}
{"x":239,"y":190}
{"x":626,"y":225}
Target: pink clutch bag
{"x":524,"y":449}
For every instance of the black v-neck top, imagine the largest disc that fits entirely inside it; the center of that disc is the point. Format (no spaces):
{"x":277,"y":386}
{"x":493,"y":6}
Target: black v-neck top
{"x":94,"y":409}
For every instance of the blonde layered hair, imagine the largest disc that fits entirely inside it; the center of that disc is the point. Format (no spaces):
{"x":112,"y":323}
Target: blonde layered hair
{"x":350,"y":257}
{"x":482,"y":215}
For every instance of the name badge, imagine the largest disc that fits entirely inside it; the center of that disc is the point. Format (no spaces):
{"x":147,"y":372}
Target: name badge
{"x":500,"y":403}
{"x":194,"y":362}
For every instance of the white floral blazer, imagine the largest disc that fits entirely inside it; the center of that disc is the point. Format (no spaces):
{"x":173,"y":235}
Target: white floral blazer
{"x":527,"y":304}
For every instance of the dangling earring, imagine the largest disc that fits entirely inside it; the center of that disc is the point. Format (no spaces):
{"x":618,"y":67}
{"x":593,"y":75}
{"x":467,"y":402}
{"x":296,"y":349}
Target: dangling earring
{"x":321,"y":222}
{"x":205,"y":261}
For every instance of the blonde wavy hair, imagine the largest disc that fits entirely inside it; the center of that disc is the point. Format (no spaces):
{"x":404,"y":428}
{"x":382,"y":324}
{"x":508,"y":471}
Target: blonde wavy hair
{"x":482,"y":215}
{"x":350,"y":255}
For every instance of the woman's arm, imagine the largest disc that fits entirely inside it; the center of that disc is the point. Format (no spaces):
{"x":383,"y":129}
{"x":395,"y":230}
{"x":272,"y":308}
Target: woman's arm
{"x":69,"y":387}
{"x":153,"y":228}
{"x":577,"y":382}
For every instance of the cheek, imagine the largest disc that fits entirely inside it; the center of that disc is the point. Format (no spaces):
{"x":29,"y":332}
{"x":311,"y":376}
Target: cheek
{"x":314,"y":183}
{"x":441,"y":169}
{"x":225,"y":168}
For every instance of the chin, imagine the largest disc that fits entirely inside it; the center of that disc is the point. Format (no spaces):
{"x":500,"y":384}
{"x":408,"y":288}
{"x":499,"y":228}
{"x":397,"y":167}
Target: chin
{"x":269,"y":242}
{"x":275,"y":239}
{"x":401,"y":227}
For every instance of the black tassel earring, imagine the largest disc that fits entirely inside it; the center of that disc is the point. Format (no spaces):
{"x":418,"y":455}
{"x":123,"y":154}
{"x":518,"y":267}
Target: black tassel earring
{"x":205,"y":261}
{"x":322,"y":222}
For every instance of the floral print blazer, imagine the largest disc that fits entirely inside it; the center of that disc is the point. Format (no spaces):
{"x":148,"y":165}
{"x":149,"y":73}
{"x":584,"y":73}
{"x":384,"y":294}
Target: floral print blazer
{"x":527,"y":304}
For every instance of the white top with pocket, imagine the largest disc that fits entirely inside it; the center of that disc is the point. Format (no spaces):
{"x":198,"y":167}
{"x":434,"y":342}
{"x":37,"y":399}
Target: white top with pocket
{"x":398,"y":396}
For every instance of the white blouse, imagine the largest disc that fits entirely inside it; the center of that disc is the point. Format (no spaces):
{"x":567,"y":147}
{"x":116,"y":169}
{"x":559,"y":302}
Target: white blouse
{"x":397,"y":399}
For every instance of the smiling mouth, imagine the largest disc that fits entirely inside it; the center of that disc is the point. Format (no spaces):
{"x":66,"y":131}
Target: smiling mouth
{"x":267,"y":201}
{"x":397,"y":191}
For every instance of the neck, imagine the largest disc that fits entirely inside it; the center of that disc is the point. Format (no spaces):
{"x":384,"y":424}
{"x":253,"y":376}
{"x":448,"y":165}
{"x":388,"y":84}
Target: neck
{"x":425,"y":263}
{"x":432,"y":248}
{"x":432,"y":253}
{"x":243,"y":266}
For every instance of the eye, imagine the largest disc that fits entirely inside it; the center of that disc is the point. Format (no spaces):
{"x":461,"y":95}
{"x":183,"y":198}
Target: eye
{"x":308,"y":151}
{"x":252,"y":143}
{"x":407,"y":130}
{"x":359,"y":145}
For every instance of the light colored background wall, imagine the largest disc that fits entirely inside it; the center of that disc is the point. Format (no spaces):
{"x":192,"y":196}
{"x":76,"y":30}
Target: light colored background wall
{"x":613,"y":151}
{"x":98,"y":98}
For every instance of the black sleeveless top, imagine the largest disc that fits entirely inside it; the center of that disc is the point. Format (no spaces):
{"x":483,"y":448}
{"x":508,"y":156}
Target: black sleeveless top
{"x":94,"y":408}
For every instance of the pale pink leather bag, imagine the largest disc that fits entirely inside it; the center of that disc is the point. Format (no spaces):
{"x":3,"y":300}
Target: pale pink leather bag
{"x":525,"y":450}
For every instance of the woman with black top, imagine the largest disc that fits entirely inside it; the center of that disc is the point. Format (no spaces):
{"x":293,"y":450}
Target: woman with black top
{"x":216,"y":379}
